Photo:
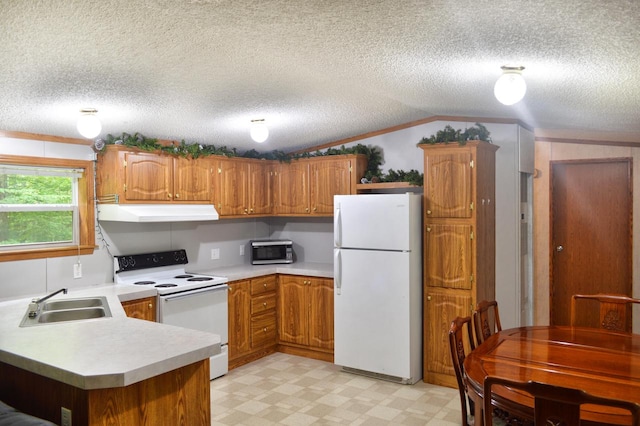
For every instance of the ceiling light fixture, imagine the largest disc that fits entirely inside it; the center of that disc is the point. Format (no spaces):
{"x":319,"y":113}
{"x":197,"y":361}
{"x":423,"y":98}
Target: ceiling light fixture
{"x":258,"y":130}
{"x":510,"y":87}
{"x":89,"y":124}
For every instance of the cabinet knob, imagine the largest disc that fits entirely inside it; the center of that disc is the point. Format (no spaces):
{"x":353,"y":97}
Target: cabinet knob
{"x":428,"y":211}
{"x":251,"y":210}
{"x":265,"y":285}
{"x":315,"y":209}
{"x":264,"y":329}
{"x":168,"y":195}
{"x":150,"y":305}
{"x":429,"y":298}
{"x":246,"y":211}
{"x":177,"y":195}
{"x":307,"y":210}
{"x":264,"y":304}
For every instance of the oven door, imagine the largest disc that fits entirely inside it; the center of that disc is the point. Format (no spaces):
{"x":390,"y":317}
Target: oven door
{"x":203,"y":309}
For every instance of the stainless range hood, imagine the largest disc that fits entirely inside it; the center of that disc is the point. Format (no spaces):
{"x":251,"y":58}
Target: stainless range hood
{"x":149,"y":213}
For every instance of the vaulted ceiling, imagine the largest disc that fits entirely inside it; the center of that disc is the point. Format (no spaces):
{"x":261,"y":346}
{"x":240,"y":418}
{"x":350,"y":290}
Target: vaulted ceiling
{"x":317,"y":71}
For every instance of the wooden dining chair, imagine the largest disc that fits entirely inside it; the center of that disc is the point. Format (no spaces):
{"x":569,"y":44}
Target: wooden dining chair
{"x":614,"y":312}
{"x":555,"y":405}
{"x":458,"y":355}
{"x":486,"y":320}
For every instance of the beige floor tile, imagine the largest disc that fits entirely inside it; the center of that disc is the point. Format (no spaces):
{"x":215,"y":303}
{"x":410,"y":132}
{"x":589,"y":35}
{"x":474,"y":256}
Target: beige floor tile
{"x":284,"y":389}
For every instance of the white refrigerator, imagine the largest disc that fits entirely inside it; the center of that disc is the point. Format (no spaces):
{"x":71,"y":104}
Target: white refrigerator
{"x":378,"y":285}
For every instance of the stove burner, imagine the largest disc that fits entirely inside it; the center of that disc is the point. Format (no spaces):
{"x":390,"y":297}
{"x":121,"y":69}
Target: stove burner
{"x":166,"y":285}
{"x":144,"y":282}
{"x":200,"y":279}
{"x":183,"y":276}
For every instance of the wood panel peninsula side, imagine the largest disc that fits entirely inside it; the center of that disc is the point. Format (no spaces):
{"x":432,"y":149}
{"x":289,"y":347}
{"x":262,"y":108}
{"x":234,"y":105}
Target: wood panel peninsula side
{"x":459,"y":244}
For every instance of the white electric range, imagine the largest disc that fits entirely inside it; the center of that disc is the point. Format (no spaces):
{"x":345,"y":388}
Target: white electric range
{"x":187,"y":300}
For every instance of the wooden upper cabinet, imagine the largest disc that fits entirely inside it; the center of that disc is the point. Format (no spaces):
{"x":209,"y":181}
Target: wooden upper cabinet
{"x":292,"y":188}
{"x":260,"y":187}
{"x":192,"y":179}
{"x":307,"y":186}
{"x":128,"y":176}
{"x":242,"y":187}
{"x":442,"y":173}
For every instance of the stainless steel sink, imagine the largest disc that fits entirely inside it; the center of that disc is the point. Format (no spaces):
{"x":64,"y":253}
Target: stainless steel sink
{"x":89,"y":302}
{"x":68,"y":310}
{"x":71,"y":315}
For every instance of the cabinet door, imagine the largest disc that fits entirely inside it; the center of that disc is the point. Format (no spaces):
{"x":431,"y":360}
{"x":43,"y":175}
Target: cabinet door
{"x":231,"y":194}
{"x":144,"y":309}
{"x":192,"y":179}
{"x":447,"y":185}
{"x":328,"y":178}
{"x":293,"y":311}
{"x":259,"y":188}
{"x":321,"y":313}
{"x":448,"y":256}
{"x":148,"y":177}
{"x":292,"y":188}
{"x":239,"y":318}
{"x":441,"y":307}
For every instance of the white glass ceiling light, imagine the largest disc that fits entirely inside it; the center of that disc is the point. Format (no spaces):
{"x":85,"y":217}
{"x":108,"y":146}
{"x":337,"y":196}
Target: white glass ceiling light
{"x":89,"y":125}
{"x":259,"y":131}
{"x":510,"y":87}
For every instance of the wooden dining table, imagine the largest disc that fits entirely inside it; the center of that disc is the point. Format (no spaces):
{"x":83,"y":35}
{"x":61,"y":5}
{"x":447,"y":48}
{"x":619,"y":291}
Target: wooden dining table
{"x":601,"y":363}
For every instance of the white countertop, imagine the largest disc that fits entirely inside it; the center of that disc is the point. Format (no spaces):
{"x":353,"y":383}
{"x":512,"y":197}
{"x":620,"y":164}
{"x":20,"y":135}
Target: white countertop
{"x":242,"y":272}
{"x":118,"y":351}
{"x":103,"y":352}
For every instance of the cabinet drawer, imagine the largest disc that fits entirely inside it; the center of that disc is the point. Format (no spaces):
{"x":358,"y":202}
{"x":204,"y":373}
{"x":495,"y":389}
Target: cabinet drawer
{"x":263,"y":303}
{"x":263,"y":285}
{"x":263,"y":330}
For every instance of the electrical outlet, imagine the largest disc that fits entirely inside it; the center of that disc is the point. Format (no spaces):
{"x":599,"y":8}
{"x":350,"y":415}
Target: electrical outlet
{"x":65,"y":416}
{"x":241,"y":250}
{"x":77,"y":270}
{"x":215,"y":254}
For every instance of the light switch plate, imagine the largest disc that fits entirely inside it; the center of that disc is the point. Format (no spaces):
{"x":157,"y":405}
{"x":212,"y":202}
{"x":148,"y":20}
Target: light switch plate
{"x":215,"y":254}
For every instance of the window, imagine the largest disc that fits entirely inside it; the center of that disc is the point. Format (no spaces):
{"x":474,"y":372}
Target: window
{"x":46,"y":208}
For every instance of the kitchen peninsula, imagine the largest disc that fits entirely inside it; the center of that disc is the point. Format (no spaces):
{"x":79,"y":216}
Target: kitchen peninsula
{"x":116,"y":370}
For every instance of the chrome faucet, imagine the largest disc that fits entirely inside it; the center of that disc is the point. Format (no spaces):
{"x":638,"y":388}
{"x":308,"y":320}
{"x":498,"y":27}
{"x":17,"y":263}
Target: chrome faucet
{"x":34,"y":306}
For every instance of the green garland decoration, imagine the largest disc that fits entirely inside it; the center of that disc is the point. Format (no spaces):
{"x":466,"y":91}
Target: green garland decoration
{"x":194,"y":150}
{"x":449,"y":134}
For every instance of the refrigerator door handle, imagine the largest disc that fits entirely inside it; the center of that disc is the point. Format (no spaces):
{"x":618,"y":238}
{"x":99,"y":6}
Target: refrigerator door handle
{"x":337,"y":272}
{"x":337,"y":227}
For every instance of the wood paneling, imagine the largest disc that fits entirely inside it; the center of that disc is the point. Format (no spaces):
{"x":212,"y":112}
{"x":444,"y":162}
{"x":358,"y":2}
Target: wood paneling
{"x":178,"y":397}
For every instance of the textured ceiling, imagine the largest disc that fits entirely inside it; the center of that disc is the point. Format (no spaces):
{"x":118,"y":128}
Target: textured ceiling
{"x":317,"y":71}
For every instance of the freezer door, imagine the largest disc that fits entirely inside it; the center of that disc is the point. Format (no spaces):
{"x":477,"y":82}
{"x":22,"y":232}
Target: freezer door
{"x":378,"y":221}
{"x":372,"y":311}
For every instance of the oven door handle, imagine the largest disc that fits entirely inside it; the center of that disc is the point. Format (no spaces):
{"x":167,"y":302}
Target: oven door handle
{"x":188,"y":293}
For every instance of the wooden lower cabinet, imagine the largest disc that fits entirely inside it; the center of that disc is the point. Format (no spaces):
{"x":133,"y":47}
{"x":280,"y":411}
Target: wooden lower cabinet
{"x":252,"y":319}
{"x":141,"y":308}
{"x":178,"y":397}
{"x":305,"y":316}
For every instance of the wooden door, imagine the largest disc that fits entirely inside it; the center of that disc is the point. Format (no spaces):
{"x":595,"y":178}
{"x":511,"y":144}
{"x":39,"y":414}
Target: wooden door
{"x":442,"y":173}
{"x":293,"y":316}
{"x":591,"y":238}
{"x":148,"y":177}
{"x":192,"y":179}
{"x":259,"y":188}
{"x":328,"y":178}
{"x":321,"y":313}
{"x":292,"y":188}
{"x":239,"y":305}
{"x":231,"y":194}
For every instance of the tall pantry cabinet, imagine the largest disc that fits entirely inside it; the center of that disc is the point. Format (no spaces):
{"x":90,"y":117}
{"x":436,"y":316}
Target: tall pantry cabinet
{"x":459,"y":244}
